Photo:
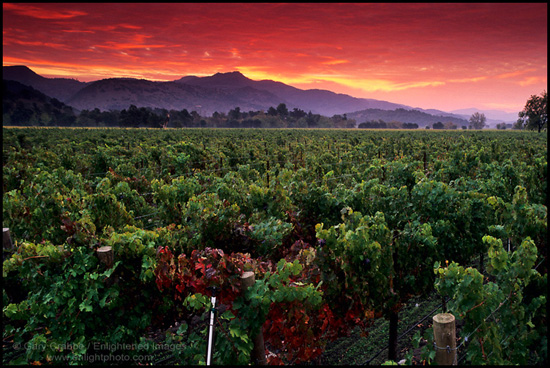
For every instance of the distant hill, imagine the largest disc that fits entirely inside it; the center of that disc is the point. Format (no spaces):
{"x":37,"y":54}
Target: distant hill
{"x":118,"y":94}
{"x":220,"y":92}
{"x":318,"y":101}
{"x":60,"y":88}
{"x":494,"y":117}
{"x":405,"y":116}
{"x":23,"y":105}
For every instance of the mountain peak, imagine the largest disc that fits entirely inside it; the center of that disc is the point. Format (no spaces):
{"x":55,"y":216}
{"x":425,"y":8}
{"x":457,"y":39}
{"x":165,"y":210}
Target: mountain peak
{"x":18,"y":72}
{"x":18,"y":67}
{"x":235,"y":75}
{"x":233,"y":79}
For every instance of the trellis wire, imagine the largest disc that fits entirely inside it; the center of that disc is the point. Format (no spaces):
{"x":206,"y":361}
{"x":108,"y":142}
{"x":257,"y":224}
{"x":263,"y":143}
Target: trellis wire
{"x":467,"y":338}
{"x":404,"y":333}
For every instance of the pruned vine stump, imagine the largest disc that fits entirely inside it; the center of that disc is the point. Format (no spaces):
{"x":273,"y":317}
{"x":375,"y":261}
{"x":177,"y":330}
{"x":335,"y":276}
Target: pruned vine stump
{"x":258,"y":351}
{"x":106,"y":256}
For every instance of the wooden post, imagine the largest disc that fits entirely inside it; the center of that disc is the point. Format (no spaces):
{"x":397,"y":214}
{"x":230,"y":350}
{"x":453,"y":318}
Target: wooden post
{"x":106,"y":256}
{"x":445,"y":339}
{"x":394,"y":313}
{"x":481,"y":262}
{"x":392,"y":344}
{"x":267,"y":172}
{"x":425,"y":163}
{"x":8,"y":245}
{"x":258,"y":351}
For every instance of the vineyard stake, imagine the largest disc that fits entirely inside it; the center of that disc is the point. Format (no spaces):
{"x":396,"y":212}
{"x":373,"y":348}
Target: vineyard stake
{"x":425,"y":163}
{"x":394,"y":314}
{"x":106,"y":256}
{"x":267,"y":172}
{"x":392,"y":343}
{"x":445,"y":339}
{"x":258,"y":351}
{"x":210,"y":344}
{"x":6,"y":238}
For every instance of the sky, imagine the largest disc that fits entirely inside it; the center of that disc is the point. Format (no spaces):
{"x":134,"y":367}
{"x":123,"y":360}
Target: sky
{"x":445,"y":56}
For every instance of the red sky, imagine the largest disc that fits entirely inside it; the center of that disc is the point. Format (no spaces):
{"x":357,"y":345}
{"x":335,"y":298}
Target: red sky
{"x":445,"y":56}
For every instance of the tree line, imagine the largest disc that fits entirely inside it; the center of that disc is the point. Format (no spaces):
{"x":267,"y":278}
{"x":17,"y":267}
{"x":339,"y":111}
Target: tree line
{"x":381,"y":124}
{"x":274,"y":117}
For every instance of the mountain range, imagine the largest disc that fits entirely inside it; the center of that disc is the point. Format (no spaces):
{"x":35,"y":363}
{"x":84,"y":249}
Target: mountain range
{"x":220,"y":92}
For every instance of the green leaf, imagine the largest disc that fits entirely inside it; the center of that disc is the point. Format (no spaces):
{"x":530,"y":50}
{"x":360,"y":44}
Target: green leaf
{"x":85,"y":306}
{"x":10,"y":310}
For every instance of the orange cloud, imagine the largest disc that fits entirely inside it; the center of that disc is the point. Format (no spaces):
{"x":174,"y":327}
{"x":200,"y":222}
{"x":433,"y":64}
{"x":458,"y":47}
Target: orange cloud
{"x":111,"y":45}
{"x":514,"y":74}
{"x":76,"y":31}
{"x":531,"y":80}
{"x":468,"y":80}
{"x":374,"y":85}
{"x":39,"y":43}
{"x":335,"y":62}
{"x":130,"y":26}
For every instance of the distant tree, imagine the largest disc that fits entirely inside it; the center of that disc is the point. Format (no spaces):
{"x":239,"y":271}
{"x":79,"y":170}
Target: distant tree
{"x":137,"y":116}
{"x":125,"y":119}
{"x":394,"y":125}
{"x":438,"y":125}
{"x":501,"y":126}
{"x":232,"y":123}
{"x":518,"y":125}
{"x":282,"y":110}
{"x":312,"y":120}
{"x":272,"y":111}
{"x":477,"y":120}
{"x":299,"y":123}
{"x":196,"y":118}
{"x":234,"y":114}
{"x":156,"y":120}
{"x":64,"y":119}
{"x":186,"y":117}
{"x":450,"y":125}
{"x":374,"y":124}
{"x":217,"y":119}
{"x":297,"y":113}
{"x":464,"y":127}
{"x":535,"y":113}
{"x":410,"y":126}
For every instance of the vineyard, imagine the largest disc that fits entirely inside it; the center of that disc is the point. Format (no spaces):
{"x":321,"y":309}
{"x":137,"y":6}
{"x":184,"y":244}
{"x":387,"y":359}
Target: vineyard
{"x":341,"y":228}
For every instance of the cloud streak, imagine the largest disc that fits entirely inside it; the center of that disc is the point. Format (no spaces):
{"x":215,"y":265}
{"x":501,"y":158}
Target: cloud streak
{"x":40,"y":12}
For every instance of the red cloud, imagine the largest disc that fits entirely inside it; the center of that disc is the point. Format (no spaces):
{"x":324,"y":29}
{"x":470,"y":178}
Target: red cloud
{"x":35,"y":12}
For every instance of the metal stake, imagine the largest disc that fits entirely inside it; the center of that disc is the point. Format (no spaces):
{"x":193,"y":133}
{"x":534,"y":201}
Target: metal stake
{"x":210,"y":347}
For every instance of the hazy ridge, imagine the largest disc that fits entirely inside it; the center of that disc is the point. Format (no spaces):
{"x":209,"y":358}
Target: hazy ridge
{"x":224,"y":91}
